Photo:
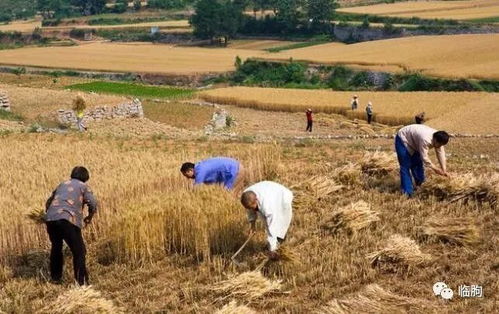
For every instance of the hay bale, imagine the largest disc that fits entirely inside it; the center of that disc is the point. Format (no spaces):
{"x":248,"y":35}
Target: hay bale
{"x":352,"y":218}
{"x":378,"y":164}
{"x":466,"y":187}
{"x":375,"y":299}
{"x":37,"y":216}
{"x":398,"y":251}
{"x":234,"y":308}
{"x":460,"y":231}
{"x":81,"y":300}
{"x":247,"y":286}
{"x":349,"y":175}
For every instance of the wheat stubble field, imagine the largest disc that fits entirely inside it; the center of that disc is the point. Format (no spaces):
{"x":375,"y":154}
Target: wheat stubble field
{"x":459,"y":10}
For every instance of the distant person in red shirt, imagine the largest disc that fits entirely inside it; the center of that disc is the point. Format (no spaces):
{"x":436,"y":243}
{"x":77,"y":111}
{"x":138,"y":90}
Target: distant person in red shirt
{"x":310,"y":120}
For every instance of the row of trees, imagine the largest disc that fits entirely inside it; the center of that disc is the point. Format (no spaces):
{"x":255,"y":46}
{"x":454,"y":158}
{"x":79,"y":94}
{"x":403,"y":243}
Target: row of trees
{"x":225,"y":18}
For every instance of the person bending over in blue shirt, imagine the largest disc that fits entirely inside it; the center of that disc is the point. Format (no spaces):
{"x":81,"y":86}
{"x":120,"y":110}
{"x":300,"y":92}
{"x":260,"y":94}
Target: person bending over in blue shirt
{"x":218,"y":170}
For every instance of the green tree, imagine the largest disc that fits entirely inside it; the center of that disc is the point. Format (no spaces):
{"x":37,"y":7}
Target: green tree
{"x":288,"y":14}
{"x":214,"y":18}
{"x":90,"y":7}
{"x":320,"y":14}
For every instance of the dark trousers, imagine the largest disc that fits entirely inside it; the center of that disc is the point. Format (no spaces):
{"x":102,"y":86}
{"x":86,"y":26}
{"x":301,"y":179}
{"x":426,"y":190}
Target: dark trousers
{"x":63,"y":230}
{"x":309,"y":126}
{"x":411,"y":166}
{"x":369,"y":118}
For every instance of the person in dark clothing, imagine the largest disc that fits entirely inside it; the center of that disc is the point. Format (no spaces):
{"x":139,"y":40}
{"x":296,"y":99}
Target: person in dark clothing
{"x":310,"y":120}
{"x":420,"y":118}
{"x":369,"y":112}
{"x":355,"y":102}
{"x":64,"y":220}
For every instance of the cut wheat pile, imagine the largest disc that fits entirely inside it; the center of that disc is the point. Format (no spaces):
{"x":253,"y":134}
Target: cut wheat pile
{"x":401,"y":251}
{"x":352,"y":218}
{"x":247,"y":286}
{"x":374,"y":299}
{"x":81,"y":300}
{"x":464,"y":187}
{"x":460,"y":231}
{"x":349,"y":174}
{"x":234,"y":308}
{"x":378,"y":164}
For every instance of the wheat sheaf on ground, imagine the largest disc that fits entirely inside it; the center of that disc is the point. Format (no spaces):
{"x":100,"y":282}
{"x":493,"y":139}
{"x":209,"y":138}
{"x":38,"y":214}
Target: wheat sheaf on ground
{"x":351,"y":218}
{"x":464,"y":187}
{"x":460,"y":231}
{"x":247,"y":286}
{"x":374,"y":299}
{"x":399,"y":250}
{"x":81,"y":300}
{"x":234,"y":308}
{"x":378,"y":164}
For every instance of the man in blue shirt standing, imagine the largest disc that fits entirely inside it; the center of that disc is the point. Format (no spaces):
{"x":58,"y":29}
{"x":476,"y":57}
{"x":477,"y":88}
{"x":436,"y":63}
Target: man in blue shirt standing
{"x":218,"y":170}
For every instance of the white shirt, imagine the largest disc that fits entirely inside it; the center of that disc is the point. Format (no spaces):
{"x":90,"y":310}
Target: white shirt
{"x":274,"y":207}
{"x":418,"y":138}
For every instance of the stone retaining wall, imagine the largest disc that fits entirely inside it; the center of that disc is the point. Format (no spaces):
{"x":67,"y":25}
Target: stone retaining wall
{"x":127,"y":110}
{"x":4,"y":101}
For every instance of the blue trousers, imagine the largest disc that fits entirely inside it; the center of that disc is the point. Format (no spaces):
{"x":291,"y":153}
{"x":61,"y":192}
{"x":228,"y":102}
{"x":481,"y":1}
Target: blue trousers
{"x":410,"y":166}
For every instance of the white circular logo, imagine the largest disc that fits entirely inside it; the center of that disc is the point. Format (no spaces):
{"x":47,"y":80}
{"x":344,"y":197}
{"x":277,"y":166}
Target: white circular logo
{"x":438,"y":287}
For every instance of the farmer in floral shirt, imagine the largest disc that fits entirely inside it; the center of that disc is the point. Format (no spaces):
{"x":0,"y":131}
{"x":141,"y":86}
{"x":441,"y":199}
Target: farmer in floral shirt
{"x":64,"y":221}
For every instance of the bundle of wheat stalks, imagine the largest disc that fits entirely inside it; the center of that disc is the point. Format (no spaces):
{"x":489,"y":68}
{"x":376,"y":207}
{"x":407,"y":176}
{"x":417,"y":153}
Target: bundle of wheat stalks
{"x":79,"y":103}
{"x":322,"y":186}
{"x":349,"y":175}
{"x":460,"y":231}
{"x":81,"y":300}
{"x":378,"y":164}
{"x":465,"y":187}
{"x":286,"y":254}
{"x":234,"y":308}
{"x":352,"y":218}
{"x":399,"y":250}
{"x":374,"y":299}
{"x":247,"y":286}
{"x":37,"y":216}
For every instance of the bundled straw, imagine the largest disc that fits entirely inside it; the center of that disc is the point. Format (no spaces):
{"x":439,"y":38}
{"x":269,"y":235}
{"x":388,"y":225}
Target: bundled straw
{"x":460,"y":231}
{"x":349,"y":175}
{"x":247,"y":286}
{"x":286,"y":255}
{"x":79,"y":103}
{"x":466,"y":187}
{"x":378,"y":164}
{"x":234,"y":308}
{"x":374,"y":299}
{"x":81,"y":300}
{"x":37,"y":216}
{"x":352,"y":218}
{"x":401,"y":251}
{"x":322,"y":186}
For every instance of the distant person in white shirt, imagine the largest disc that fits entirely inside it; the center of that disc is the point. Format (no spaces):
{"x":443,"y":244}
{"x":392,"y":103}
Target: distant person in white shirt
{"x":412,"y":144}
{"x":272,"y":202}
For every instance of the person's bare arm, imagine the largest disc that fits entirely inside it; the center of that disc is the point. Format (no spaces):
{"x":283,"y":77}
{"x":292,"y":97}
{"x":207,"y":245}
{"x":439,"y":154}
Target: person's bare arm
{"x":441,"y":159}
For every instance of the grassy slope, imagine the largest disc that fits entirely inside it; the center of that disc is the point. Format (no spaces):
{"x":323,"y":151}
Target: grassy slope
{"x":135,"y":90}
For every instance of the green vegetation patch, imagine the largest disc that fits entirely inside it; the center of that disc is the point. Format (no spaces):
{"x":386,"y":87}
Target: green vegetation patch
{"x":130,"y":89}
{"x":295,"y":46}
{"x":8,"y":115}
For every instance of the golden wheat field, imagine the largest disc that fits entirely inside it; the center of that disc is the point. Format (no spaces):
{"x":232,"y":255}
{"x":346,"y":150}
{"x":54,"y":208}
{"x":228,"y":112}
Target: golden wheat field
{"x":458,"y":112}
{"x":20,"y":26}
{"x":156,"y":245}
{"x":432,"y":9}
{"x":136,"y":57}
{"x":456,"y":56}
{"x":177,"y":24}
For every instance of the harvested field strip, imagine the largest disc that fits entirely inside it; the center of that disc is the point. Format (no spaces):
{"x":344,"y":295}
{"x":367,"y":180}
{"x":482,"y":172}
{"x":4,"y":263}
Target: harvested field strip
{"x":392,"y":108}
{"x":136,"y":90}
{"x":160,"y":24}
{"x":117,"y":57}
{"x":459,"y":56}
{"x":413,"y":8}
{"x":20,"y":26}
